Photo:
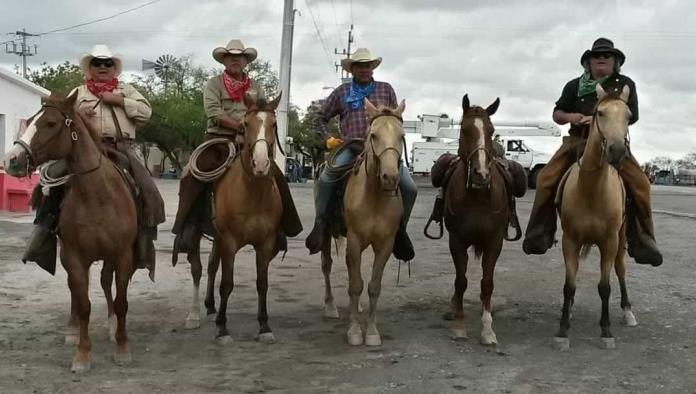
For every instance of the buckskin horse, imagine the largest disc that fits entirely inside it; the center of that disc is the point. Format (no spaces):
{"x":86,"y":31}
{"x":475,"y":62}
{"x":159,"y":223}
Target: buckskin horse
{"x":373,"y":211}
{"x":592,"y":210}
{"x":477,"y":211}
{"x":248,"y":211}
{"x":99,"y":216}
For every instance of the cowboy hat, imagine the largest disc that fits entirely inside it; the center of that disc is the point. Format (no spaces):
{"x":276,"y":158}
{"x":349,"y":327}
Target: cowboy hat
{"x":100,"y":51}
{"x":234,"y":47}
{"x":603,"y":45}
{"x":361,"y":55}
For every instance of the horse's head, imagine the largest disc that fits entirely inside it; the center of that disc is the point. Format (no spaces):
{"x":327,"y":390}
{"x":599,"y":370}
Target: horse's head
{"x":610,"y":119}
{"x":260,"y":133}
{"x":476,"y":142}
{"x":48,"y":137}
{"x":385,"y":142}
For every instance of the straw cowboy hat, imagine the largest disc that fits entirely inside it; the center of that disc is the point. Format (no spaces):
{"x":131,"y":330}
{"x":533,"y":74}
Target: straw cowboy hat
{"x":603,"y":45}
{"x":361,"y":55}
{"x":234,"y":47}
{"x":100,"y":51}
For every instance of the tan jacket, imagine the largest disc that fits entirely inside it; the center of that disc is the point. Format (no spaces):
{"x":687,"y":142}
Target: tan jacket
{"x":217,"y":102}
{"x":136,"y":111}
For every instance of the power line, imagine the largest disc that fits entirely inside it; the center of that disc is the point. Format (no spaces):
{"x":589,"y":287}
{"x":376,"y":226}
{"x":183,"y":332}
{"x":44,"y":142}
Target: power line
{"x":337,"y":35}
{"x":321,"y":39}
{"x":102,"y":19}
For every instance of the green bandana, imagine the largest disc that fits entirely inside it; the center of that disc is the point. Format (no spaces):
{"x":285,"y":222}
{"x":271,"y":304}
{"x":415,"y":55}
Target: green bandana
{"x":588,"y":85}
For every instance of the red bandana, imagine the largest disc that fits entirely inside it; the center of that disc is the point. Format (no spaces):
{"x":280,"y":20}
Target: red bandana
{"x":97,"y":88}
{"x":235,"y":88}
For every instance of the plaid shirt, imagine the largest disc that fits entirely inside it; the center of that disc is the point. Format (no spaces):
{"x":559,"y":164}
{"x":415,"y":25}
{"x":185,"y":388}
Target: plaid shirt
{"x":353,"y":123}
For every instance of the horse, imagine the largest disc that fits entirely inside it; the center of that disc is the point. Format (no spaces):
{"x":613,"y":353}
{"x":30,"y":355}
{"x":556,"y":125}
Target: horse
{"x":99,"y":218}
{"x":592,"y":210}
{"x":476,"y":213}
{"x":373,"y":211}
{"x":248,"y":211}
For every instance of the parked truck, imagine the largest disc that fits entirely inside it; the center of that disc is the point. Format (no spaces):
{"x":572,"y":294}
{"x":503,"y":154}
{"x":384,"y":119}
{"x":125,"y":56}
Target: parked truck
{"x":442,"y":137}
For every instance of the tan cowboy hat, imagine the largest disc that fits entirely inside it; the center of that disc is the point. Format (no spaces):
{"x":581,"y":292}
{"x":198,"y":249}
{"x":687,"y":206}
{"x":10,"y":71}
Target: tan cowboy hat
{"x":100,"y":51}
{"x":361,"y":55}
{"x":234,"y":47}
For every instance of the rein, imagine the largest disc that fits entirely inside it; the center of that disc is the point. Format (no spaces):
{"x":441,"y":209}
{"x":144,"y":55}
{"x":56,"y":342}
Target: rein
{"x":378,"y":157}
{"x":603,"y":143}
{"x":270,"y":147}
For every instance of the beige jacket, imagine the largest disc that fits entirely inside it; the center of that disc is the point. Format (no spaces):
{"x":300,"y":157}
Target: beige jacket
{"x":217,"y":102}
{"x":136,"y":111}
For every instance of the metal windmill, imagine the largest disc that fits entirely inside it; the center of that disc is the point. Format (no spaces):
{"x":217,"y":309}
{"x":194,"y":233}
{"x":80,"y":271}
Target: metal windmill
{"x":166,"y":67}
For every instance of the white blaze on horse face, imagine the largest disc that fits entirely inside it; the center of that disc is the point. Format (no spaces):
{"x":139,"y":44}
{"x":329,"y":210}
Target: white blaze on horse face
{"x":26,"y":138}
{"x":481,"y":143}
{"x":260,"y":155}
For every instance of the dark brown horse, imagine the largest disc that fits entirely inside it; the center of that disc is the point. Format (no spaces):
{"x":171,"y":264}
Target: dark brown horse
{"x":99,"y":216}
{"x":247,"y":212}
{"x":476,"y":213}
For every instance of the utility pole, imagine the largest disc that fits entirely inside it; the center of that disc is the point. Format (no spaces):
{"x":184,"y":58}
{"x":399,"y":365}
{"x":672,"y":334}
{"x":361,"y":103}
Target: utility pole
{"x":24,"y":49}
{"x":285,"y":68}
{"x":346,"y":53}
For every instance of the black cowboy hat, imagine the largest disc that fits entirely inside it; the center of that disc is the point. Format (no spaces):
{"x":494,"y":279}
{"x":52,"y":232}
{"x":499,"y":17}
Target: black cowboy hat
{"x":603,"y":45}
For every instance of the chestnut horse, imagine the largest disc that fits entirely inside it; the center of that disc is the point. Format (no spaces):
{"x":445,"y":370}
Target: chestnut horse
{"x":248,"y":211}
{"x":373,"y":211}
{"x":99,"y":216}
{"x":476,"y":213}
{"x":593,"y":211}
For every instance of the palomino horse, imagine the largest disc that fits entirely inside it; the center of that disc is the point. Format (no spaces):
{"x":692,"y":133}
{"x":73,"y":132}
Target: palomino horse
{"x":248,"y":211}
{"x":99,"y":217}
{"x":476,"y":213}
{"x":592,"y":210}
{"x":373,"y":211}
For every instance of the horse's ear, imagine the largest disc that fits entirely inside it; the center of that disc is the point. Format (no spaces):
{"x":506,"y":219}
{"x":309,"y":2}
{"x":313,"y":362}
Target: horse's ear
{"x":493,"y":107}
{"x":600,"y":92}
{"x":274,"y":104}
{"x":400,"y":109}
{"x":370,"y":108}
{"x":249,"y":100}
{"x":465,"y":103}
{"x":625,"y":93}
{"x":71,"y":98}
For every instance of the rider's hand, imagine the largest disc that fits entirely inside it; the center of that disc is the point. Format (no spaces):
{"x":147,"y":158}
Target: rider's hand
{"x":87,"y":111}
{"x":112,"y":98}
{"x":586,"y":120}
{"x":576,"y":118}
{"x":332,"y":143}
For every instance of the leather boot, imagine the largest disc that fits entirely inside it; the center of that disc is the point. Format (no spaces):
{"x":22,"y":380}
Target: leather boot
{"x":42,"y":245}
{"x":641,"y":244}
{"x":315,"y":239}
{"x":403,"y":248}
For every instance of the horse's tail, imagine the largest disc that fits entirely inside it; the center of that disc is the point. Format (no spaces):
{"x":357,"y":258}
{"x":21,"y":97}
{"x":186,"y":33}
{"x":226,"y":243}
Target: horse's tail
{"x":585,"y":250}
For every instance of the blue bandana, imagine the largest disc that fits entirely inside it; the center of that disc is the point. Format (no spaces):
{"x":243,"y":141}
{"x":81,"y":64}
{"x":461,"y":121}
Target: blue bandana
{"x":356,"y":95}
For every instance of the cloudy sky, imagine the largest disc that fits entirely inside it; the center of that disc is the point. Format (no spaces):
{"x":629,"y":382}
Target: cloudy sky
{"x":522,"y":51}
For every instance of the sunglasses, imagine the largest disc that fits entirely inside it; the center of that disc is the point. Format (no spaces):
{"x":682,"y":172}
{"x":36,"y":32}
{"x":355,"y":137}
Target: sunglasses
{"x":96,"y":62}
{"x":602,"y":55}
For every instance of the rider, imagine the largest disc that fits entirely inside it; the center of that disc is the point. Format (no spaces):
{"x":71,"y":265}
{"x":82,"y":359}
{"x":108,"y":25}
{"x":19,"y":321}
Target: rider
{"x":113,"y":109}
{"x":223,"y":99}
{"x":348,"y":101}
{"x":602,"y":65}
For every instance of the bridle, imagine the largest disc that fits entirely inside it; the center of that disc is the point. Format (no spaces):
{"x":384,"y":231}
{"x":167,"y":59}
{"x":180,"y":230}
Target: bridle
{"x":378,"y":157}
{"x":69,"y":123}
{"x":269,"y":146}
{"x":603,"y":141}
{"x":470,"y":167}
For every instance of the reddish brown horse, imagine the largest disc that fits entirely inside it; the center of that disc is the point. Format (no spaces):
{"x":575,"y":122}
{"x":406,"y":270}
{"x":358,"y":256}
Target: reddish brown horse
{"x":99,"y":216}
{"x":476,"y":213}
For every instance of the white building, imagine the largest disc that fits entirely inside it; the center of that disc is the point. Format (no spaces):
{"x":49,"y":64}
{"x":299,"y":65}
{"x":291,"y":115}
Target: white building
{"x":19,"y":100}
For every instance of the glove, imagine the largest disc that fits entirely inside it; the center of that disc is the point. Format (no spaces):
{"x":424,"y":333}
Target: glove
{"x":332,"y":143}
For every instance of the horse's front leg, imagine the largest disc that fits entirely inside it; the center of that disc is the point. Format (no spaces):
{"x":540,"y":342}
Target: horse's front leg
{"x":330,"y":310}
{"x":488,"y":261}
{"x":228,"y":249}
{"x":355,"y":287}
{"x":264,"y":255}
{"x":571,"y":253}
{"x":124,"y":272}
{"x":374,"y":288}
{"x":107,"y":279}
{"x":78,"y":282}
{"x":193,"y":319}
{"x":213,"y":265}
{"x":608,"y":255}
{"x":460,"y":258}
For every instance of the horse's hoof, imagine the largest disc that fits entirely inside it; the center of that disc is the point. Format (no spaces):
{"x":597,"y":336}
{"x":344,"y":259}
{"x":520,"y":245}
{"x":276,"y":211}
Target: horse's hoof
{"x":266,"y":337}
{"x":449,"y":316}
{"x":224,"y":340}
{"x":72,"y":339}
{"x":79,"y":366}
{"x":630,"y":319}
{"x":210,"y":311}
{"x":373,"y":340}
{"x":355,"y":339}
{"x":192,"y":322}
{"x":562,"y":344}
{"x":331,"y":312}
{"x":122,"y":358}
{"x":488,"y":339}
{"x":608,"y":343}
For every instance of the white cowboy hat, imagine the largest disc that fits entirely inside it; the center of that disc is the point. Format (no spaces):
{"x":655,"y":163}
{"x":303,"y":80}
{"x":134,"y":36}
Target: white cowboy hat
{"x":100,"y":51}
{"x":234,"y":47}
{"x":361,"y":55}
